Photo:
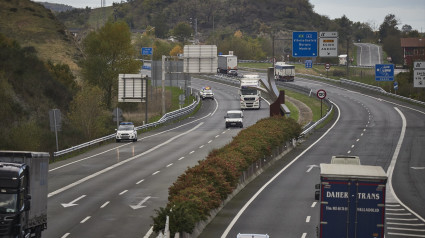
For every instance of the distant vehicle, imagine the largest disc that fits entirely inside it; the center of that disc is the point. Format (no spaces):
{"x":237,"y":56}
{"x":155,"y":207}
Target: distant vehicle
{"x":227,"y":64}
{"x":23,"y":193}
{"x":352,"y":200}
{"x":252,"y":236}
{"x":126,"y":131}
{"x":284,"y":72}
{"x":250,"y":96}
{"x":234,"y":118}
{"x":206,"y":92}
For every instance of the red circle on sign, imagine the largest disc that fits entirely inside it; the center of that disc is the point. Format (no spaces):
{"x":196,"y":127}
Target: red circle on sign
{"x":327,"y":66}
{"x":321,"y":94}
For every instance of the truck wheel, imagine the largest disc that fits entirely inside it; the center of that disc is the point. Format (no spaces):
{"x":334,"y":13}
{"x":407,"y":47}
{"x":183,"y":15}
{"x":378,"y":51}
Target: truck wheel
{"x":241,"y":125}
{"x":37,"y":232}
{"x":117,"y":140}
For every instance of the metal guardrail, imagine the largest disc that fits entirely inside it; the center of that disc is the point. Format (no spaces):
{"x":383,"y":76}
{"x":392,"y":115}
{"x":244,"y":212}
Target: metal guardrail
{"x":308,"y":128}
{"x":166,"y":118}
{"x":377,"y":89}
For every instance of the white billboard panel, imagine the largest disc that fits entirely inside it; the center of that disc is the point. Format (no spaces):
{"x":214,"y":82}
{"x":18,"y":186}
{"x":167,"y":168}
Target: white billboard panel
{"x":200,"y":59}
{"x":419,"y":74}
{"x":132,"y":88}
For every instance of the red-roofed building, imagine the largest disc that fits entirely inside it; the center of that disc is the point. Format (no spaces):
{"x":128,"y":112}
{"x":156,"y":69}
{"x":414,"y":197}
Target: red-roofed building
{"x":413,"y":49}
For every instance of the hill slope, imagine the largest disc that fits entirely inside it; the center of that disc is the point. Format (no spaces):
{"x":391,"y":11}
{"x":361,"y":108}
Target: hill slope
{"x":31,"y":24}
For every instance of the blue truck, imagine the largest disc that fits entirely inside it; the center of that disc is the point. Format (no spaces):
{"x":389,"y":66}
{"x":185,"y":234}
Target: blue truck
{"x":352,"y":201}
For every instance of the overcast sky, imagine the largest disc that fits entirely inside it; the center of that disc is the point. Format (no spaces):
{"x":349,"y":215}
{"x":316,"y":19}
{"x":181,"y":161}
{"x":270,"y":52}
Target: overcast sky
{"x":410,"y":12}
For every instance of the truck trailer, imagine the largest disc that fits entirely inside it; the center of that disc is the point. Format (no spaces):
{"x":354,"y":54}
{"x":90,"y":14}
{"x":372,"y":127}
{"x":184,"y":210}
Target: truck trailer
{"x":23,"y":193}
{"x":249,"y":95}
{"x":352,"y":201}
{"x":284,"y":72}
{"x":227,"y":64}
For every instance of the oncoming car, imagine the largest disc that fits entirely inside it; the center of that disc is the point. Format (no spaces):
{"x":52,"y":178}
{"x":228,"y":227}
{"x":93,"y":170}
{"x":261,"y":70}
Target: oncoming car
{"x":206,"y":92}
{"x":126,"y":131}
{"x":234,"y":118}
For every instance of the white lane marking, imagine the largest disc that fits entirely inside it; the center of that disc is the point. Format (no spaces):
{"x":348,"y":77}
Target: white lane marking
{"x":217,"y":136}
{"x":192,"y":152}
{"x":181,"y":158}
{"x":85,"y":219}
{"x":74,"y":162}
{"x":103,"y":152}
{"x":235,"y":219}
{"x":169,"y":165}
{"x":402,"y":219}
{"x":149,"y":233}
{"x":209,"y":141}
{"x":121,"y":193}
{"x":394,"y":161}
{"x":73,"y":202}
{"x":357,"y":140}
{"x":66,"y":235}
{"x":310,"y":167}
{"x":404,"y":235}
{"x":405,"y":224}
{"x":398,"y":214}
{"x":200,"y":147}
{"x":313,"y":204}
{"x":140,"y":181}
{"x":304,"y":235}
{"x":140,"y":204}
{"x":105,"y":204}
{"x":307,"y":219}
{"x":120,"y":163}
{"x":155,"y":172}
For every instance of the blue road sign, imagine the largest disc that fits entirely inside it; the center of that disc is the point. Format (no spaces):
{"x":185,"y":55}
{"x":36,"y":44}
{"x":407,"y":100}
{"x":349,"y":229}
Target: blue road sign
{"x":304,"y":44}
{"x":395,"y":86}
{"x":384,"y":72}
{"x":146,"y":50}
{"x":309,"y":64}
{"x":146,"y":67}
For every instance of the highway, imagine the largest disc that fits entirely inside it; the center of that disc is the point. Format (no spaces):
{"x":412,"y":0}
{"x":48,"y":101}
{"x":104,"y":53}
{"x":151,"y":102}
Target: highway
{"x":368,"y":54}
{"x":390,"y":134}
{"x":112,"y":191}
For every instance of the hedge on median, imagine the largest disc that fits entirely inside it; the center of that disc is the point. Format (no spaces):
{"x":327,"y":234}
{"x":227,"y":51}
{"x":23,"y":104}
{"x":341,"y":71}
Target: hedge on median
{"x":205,"y":186}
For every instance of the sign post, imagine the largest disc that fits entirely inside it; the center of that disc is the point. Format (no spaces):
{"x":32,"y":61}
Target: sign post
{"x":328,"y":44}
{"x":321,"y":94}
{"x":419,"y":74}
{"x":304,"y":44}
{"x":327,"y":67}
{"x":384,"y":72}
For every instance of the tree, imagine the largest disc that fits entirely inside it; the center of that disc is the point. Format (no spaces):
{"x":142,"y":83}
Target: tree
{"x":108,"y":52}
{"x":389,"y":26}
{"x":182,"y":31}
{"x":176,"y":50}
{"x":87,"y":113}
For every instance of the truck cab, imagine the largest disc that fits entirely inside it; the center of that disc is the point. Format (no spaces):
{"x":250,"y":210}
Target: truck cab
{"x":249,"y":94}
{"x":23,"y":193}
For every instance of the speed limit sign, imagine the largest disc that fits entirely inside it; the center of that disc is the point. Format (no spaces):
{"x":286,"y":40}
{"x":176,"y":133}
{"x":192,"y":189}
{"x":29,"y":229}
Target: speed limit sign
{"x":321,"y":94}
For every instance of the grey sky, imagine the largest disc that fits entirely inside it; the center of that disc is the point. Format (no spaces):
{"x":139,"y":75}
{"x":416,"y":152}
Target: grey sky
{"x":410,"y":12}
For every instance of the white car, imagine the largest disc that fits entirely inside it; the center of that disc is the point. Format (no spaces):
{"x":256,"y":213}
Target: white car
{"x":126,"y":131}
{"x":234,"y":118}
{"x":206,"y":92}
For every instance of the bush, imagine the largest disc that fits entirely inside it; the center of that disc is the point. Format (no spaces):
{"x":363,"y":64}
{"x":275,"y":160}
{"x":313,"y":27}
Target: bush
{"x":203,"y":187}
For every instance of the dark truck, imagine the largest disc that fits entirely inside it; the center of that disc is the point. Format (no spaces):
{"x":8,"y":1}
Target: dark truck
{"x":23,"y":193}
{"x":352,"y":201}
